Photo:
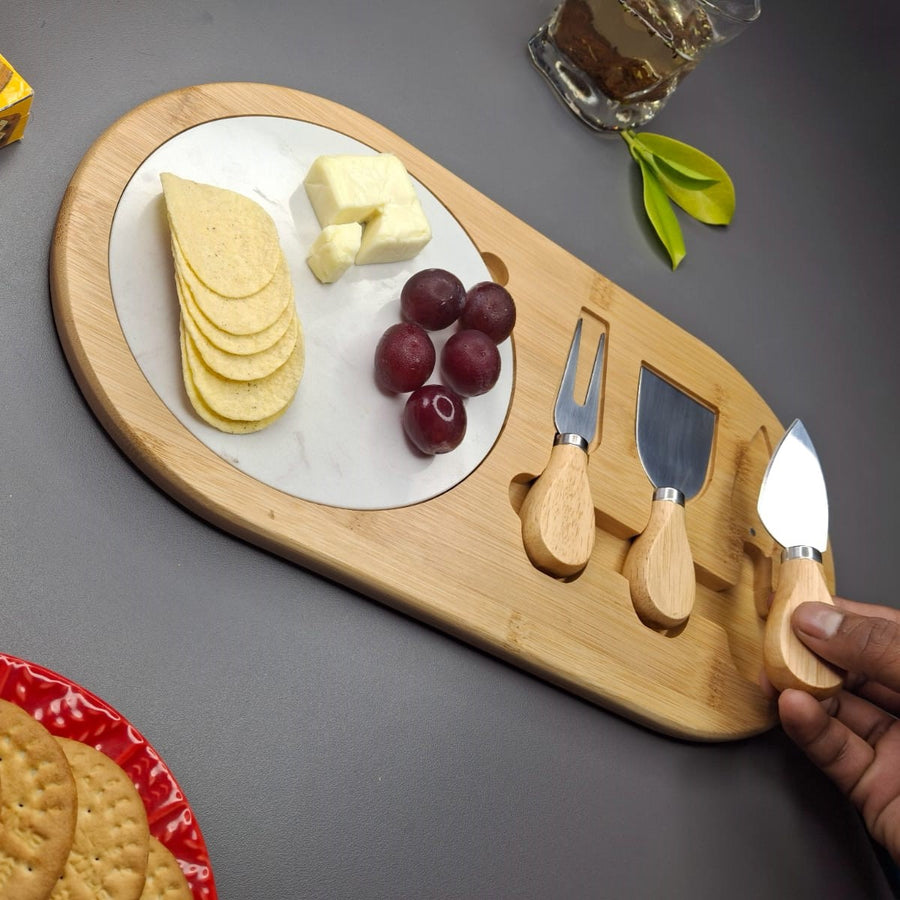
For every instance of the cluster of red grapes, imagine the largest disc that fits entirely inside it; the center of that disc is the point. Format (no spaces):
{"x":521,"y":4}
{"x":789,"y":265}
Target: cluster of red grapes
{"x":434,"y":417}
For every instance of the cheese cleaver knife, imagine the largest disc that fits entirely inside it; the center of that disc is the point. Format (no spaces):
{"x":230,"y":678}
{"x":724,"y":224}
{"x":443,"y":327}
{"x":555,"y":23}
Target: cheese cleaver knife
{"x":793,"y":505}
{"x":674,"y":441}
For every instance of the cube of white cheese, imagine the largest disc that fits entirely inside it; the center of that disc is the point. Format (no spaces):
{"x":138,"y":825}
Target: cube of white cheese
{"x":334,"y":251}
{"x":352,"y":188}
{"x":396,"y":233}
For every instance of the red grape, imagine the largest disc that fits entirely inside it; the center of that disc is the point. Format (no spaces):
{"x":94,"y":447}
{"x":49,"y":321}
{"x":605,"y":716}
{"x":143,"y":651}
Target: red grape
{"x":434,"y":419}
{"x":489,"y":308}
{"x":470,"y":363}
{"x":432,"y":298}
{"x":404,"y":358}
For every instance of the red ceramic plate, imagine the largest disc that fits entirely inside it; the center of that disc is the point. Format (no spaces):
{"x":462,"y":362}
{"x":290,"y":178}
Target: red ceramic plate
{"x":68,"y":710}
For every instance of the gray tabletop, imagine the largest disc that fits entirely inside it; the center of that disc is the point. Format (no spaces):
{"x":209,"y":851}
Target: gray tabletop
{"x":330,"y":746}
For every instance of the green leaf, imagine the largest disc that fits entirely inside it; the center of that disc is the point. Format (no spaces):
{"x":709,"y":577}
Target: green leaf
{"x":661,"y":214}
{"x":689,"y":179}
{"x":679,"y":167}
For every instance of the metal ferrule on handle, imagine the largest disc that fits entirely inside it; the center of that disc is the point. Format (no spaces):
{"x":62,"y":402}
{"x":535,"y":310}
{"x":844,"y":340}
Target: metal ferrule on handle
{"x":801,"y":552}
{"x":673,"y":495}
{"x":569,"y":438}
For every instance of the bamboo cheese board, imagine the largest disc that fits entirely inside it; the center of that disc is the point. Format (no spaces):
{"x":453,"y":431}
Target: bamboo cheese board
{"x":453,"y":556}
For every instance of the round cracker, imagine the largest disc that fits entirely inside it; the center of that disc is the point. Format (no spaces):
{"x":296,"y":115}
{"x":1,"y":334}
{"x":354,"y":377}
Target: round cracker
{"x":165,"y":878}
{"x":109,"y":850}
{"x":230,"y":241}
{"x":239,"y":344}
{"x":247,"y":401}
{"x":248,"y":367}
{"x":229,"y":426}
{"x":37,"y":806}
{"x":242,"y":315}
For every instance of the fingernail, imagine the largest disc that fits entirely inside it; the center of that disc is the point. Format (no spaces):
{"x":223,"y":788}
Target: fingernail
{"x":819,"y":620}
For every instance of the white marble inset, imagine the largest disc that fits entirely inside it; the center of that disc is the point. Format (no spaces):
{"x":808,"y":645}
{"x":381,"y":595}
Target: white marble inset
{"x":341,"y":443}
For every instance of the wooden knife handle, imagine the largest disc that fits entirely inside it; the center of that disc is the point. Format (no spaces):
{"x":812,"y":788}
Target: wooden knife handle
{"x":788,"y":662}
{"x":558,"y":514}
{"x":660,"y":569}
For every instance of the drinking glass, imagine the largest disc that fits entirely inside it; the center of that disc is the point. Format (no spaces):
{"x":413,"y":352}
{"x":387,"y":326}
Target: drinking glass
{"x":615,"y":63}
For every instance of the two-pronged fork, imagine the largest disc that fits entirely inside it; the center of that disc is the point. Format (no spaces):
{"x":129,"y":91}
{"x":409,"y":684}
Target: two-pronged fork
{"x":558,"y":511}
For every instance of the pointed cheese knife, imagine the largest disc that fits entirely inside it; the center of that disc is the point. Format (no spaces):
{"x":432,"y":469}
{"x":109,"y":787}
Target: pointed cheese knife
{"x":793,"y":505}
{"x":674,"y":440}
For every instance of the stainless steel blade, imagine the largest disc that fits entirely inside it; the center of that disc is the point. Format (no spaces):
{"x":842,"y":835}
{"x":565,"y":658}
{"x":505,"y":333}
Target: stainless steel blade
{"x":793,"y":501}
{"x":569,"y":416}
{"x":674,"y":435}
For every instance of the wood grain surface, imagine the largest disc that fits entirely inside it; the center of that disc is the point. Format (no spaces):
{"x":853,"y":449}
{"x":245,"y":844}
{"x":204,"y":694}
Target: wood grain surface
{"x":457,"y":561}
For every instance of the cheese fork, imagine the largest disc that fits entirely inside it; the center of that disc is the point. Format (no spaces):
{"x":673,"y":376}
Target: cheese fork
{"x":558,"y":511}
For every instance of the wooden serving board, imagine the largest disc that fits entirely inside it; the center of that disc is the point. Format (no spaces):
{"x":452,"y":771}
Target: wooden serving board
{"x":457,"y":561}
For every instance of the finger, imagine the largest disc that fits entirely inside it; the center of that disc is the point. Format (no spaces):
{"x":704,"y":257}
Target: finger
{"x":862,"y":609}
{"x":881,"y":696}
{"x":868,"y":645}
{"x":868,"y":609}
{"x":866,"y":719}
{"x":842,"y":755}
{"x":876,"y":693}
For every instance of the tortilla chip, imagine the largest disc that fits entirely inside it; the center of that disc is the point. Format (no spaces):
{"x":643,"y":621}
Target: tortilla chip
{"x":229,"y":240}
{"x":239,"y":344}
{"x":241,"y":315}
{"x":248,"y":367}
{"x":228,"y":426}
{"x":246,"y":401}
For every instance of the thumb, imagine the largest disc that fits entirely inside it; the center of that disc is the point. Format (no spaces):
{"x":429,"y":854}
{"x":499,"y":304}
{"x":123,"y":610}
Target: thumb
{"x":865,"y":645}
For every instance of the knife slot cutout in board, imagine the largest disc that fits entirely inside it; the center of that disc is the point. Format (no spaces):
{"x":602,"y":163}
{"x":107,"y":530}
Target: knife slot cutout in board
{"x":674,"y":434}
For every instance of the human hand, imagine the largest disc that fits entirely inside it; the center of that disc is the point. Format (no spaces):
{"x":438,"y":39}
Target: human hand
{"x":854,"y":736}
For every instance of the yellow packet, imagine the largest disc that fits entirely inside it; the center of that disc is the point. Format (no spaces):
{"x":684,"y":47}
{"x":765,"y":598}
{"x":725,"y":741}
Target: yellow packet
{"x":15,"y":103}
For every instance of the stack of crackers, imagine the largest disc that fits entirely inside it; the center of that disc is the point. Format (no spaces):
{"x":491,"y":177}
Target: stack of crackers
{"x":242,"y":352}
{"x":72,"y":824}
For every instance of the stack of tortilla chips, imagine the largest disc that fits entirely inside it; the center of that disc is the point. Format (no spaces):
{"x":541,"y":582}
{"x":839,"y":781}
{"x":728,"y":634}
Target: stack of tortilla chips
{"x":242,"y":349}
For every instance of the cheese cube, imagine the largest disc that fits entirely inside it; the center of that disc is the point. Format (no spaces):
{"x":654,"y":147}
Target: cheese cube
{"x":349,"y":188}
{"x":334,"y":251}
{"x":397,"y":233}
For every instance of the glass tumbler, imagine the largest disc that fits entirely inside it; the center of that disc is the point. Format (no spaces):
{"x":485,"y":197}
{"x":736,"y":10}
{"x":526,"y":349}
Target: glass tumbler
{"x":615,"y":63}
